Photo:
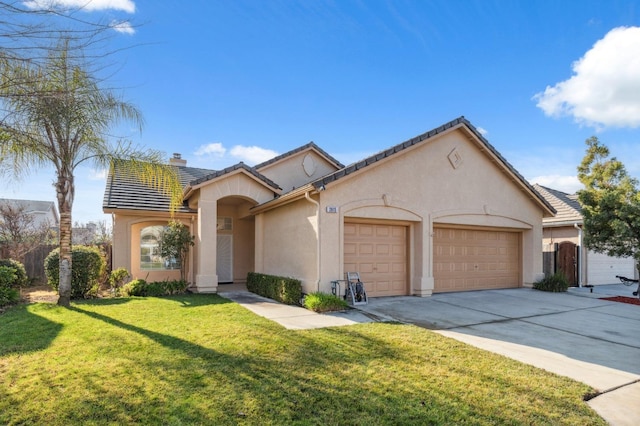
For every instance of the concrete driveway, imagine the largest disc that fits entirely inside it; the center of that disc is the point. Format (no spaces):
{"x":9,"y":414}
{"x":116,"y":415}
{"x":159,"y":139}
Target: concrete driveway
{"x":575,"y":334}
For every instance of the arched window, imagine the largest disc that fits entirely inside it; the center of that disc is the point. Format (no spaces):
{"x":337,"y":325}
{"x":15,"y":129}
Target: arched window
{"x":151,"y":249}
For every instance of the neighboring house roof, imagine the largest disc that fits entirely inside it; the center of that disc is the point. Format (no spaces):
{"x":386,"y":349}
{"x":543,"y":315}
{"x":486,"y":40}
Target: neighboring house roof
{"x":311,"y":145}
{"x":568,"y":209}
{"x":36,"y":208}
{"x":458,"y":122}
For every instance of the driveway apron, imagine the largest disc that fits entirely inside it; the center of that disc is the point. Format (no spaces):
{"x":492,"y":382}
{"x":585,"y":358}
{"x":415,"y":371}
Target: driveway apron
{"x":574,"y":334}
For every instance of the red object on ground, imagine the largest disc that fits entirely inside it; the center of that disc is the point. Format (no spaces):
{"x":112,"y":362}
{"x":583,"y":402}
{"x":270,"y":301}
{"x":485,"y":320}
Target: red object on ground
{"x":623,"y":299}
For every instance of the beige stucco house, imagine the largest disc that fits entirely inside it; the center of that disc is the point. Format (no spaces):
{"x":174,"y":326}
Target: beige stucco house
{"x":441,"y":212}
{"x":563,"y":249}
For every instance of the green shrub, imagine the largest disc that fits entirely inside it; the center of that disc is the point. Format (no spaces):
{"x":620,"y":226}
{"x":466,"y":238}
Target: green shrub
{"x":323,"y":302}
{"x":117,"y":279}
{"x":175,"y":286}
{"x":141,"y":287}
{"x":282,"y":289}
{"x":135,"y":288}
{"x":555,"y":283}
{"x":21,"y":274}
{"x":8,"y":278}
{"x":87,"y":266}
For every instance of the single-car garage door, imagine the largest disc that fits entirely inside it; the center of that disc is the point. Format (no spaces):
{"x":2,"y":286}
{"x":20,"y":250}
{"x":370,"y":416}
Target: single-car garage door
{"x":469,"y":259}
{"x":379,"y":253}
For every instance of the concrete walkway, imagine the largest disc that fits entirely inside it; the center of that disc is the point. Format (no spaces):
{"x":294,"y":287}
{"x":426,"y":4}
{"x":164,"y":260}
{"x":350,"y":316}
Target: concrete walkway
{"x":574,"y":334}
{"x":294,"y":317}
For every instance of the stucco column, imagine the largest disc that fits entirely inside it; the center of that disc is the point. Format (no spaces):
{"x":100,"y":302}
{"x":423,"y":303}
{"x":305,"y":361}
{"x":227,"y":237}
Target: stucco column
{"x":258,"y":264}
{"x":122,"y":244}
{"x":207,"y":277}
{"x":423,"y":275}
{"x":532,"y":270}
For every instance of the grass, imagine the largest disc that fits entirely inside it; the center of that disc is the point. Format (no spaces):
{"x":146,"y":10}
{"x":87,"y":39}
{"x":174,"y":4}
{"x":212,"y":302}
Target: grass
{"x":199,"y":359}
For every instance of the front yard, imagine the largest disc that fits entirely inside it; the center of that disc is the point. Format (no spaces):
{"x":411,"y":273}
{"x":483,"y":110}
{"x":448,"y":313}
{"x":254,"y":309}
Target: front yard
{"x":200,"y":359}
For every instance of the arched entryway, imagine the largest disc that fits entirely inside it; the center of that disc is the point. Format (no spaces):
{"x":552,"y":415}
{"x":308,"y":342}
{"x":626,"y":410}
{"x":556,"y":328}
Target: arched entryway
{"x":235,"y":239}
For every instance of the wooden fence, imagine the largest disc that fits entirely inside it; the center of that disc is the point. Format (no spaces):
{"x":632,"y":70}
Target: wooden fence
{"x":34,"y":260}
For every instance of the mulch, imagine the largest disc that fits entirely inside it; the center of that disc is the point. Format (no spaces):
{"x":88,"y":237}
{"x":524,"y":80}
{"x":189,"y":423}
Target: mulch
{"x":42,"y":293}
{"x":623,"y":299}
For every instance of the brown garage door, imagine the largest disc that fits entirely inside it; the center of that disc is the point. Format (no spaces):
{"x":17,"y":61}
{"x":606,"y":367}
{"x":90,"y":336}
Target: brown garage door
{"x":467,"y":259}
{"x":379,"y":253}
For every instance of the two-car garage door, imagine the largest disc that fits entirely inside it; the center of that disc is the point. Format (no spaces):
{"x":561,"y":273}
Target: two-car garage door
{"x":463,"y":259}
{"x":474,"y":259}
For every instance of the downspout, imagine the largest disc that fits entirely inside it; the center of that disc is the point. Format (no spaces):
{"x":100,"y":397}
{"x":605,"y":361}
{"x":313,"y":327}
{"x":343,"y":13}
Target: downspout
{"x":317,"y":204}
{"x":191,"y":254}
{"x":580,"y":266}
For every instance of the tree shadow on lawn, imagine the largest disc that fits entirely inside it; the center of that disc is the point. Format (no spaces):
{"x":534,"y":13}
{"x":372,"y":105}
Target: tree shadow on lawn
{"x":258,"y":373}
{"x":203,"y":384}
{"x":22,"y":330}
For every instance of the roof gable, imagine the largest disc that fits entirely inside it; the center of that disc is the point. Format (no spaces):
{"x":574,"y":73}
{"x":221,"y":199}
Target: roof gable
{"x":458,"y":123}
{"x":240,"y":167}
{"x":310,"y":146}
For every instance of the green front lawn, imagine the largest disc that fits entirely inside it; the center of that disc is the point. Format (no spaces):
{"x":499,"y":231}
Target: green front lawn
{"x":200,"y":359}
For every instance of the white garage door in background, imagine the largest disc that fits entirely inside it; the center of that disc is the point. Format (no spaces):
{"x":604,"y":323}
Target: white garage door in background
{"x":602,"y":269}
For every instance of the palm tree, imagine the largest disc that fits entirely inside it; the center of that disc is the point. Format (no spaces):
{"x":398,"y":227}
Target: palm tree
{"x":58,"y":115}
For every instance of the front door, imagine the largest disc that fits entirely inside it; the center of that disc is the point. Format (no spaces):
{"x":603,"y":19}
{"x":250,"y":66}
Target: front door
{"x":224,"y":258}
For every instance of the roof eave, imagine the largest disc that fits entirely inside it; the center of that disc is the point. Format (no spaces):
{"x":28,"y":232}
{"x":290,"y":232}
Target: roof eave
{"x":289,"y":197}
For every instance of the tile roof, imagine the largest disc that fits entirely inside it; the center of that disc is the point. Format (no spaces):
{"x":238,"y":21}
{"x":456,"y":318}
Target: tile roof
{"x":568,"y":209}
{"x":124,"y":192}
{"x":300,"y":149}
{"x":460,"y":121}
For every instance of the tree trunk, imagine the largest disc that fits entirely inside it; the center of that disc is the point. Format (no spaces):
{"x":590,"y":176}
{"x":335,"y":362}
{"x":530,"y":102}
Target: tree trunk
{"x":65,"y":190}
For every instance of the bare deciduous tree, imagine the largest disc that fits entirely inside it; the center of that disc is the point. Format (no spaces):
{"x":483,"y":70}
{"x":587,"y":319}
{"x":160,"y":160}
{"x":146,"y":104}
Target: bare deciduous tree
{"x":19,"y":231}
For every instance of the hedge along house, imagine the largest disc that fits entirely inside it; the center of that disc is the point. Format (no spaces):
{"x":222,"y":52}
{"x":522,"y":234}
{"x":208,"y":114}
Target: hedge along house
{"x":441,"y":212}
{"x":563,"y":249}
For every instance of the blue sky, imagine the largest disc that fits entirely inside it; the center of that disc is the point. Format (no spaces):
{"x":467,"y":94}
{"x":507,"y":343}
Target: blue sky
{"x":228,"y":81}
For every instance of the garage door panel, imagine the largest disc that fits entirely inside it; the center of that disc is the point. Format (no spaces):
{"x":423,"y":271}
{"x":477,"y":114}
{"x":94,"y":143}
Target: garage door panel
{"x":363,"y":268}
{"x":350,"y":249}
{"x":382,"y":250}
{"x":475,"y":259}
{"x":380,"y":257}
{"x":365,"y":249}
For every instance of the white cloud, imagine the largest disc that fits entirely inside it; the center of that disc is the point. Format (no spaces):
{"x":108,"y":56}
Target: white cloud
{"x":100,"y":174}
{"x":252,"y":154}
{"x":86,"y":5}
{"x":605,"y":88}
{"x":482,"y":131}
{"x":216,"y":155}
{"x":213,"y":149}
{"x":568,"y":184}
{"x":123,"y":27}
